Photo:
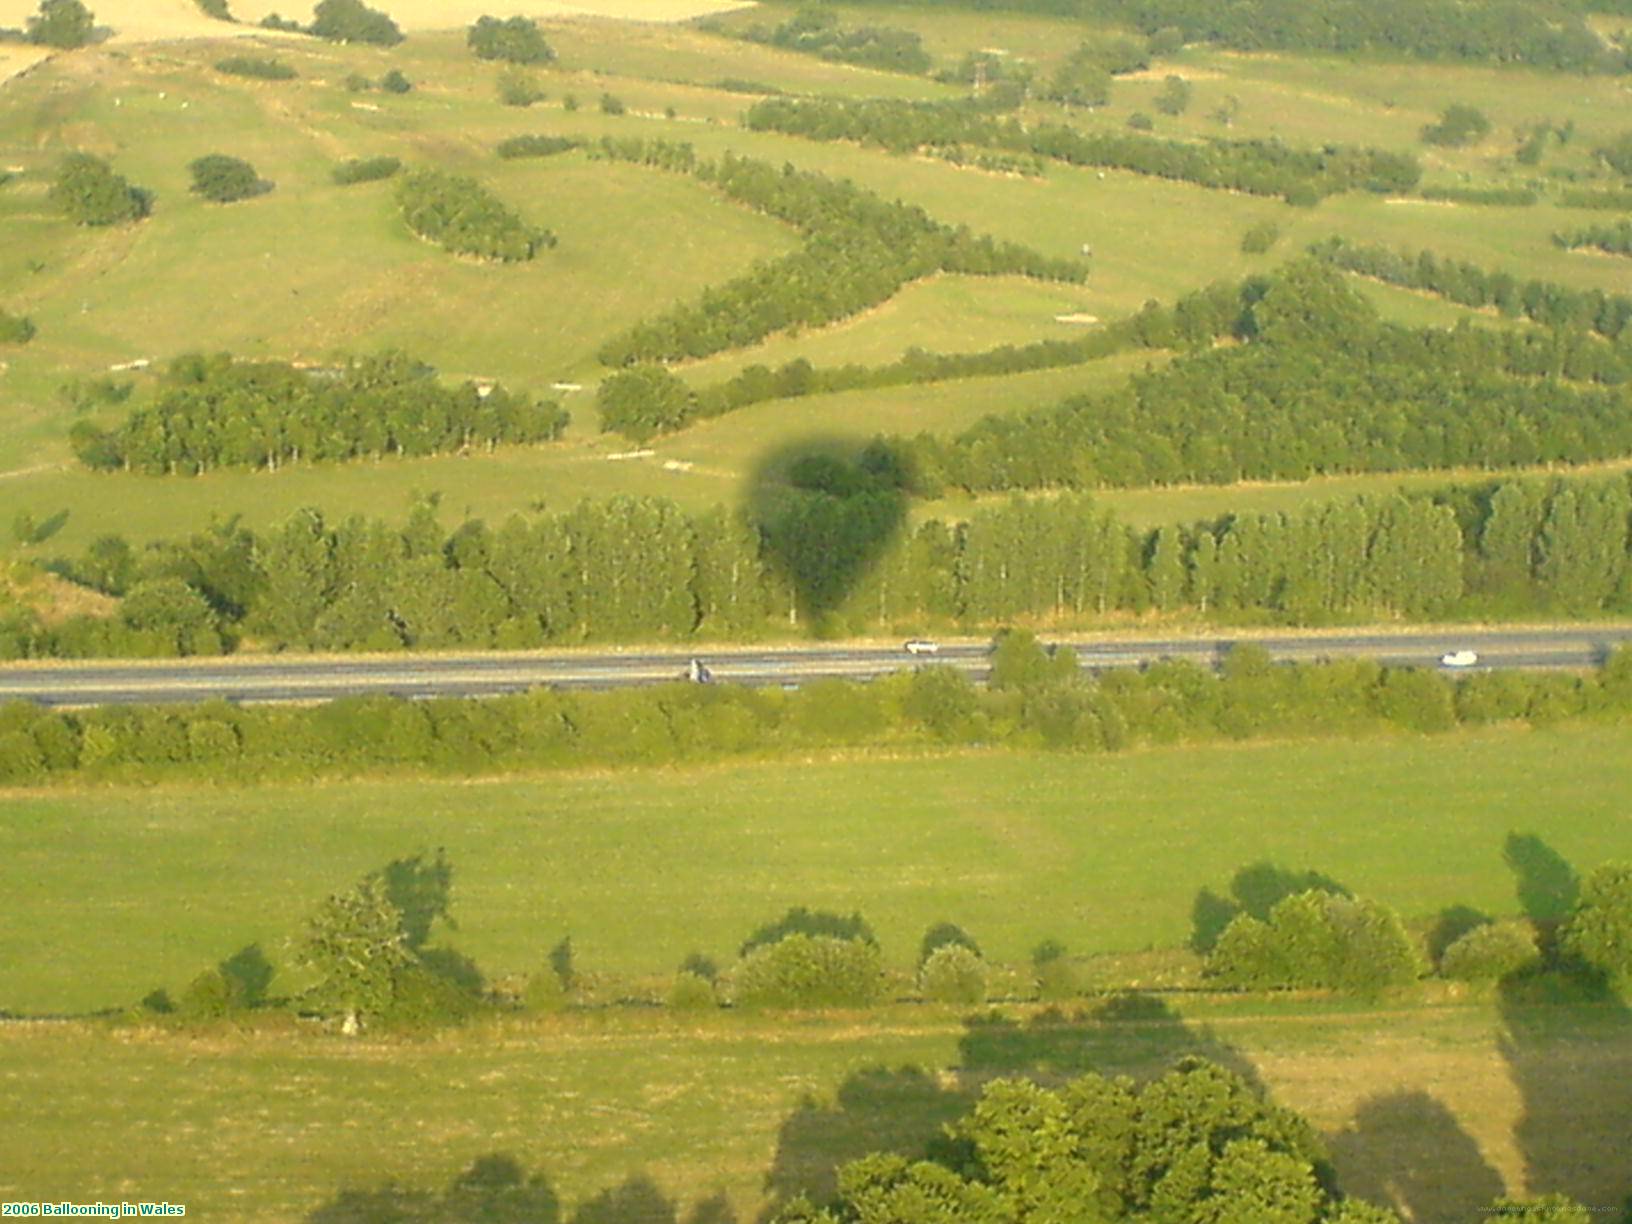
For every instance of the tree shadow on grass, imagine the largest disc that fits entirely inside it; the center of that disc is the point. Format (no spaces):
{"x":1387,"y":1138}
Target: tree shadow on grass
{"x":494,"y":1190}
{"x":637,"y":1200}
{"x":1406,"y":1150}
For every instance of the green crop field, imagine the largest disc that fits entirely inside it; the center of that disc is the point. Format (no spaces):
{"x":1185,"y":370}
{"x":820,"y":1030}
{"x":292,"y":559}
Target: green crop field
{"x":134,"y":890}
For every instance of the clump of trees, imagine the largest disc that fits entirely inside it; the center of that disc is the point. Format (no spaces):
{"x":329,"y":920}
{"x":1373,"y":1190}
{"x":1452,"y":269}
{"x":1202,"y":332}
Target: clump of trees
{"x":1259,"y":167}
{"x":215,"y":412}
{"x":643,"y":401}
{"x":63,"y":24}
{"x":365,"y":170}
{"x":462,"y":216}
{"x":517,"y":40}
{"x":536,"y":146}
{"x":1316,"y":939}
{"x":809,"y":958}
{"x":264,"y":68}
{"x":225,"y":179}
{"x":814,"y":30}
{"x":1603,"y":200}
{"x":354,"y":21}
{"x":859,"y":251}
{"x":215,"y":8}
{"x":88,"y":190}
{"x":1459,"y":126}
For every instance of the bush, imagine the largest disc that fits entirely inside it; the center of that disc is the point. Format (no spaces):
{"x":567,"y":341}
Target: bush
{"x":1490,"y":952}
{"x":226,"y":179}
{"x":611,"y":105}
{"x":264,"y":69}
{"x":802,"y":921}
{"x":15,"y":329}
{"x":519,"y":89}
{"x":939,"y":936}
{"x":953,"y":974}
{"x":701,"y":966}
{"x":1417,"y":700}
{"x":544,"y":993}
{"x":1175,"y":96}
{"x":273,"y":22}
{"x":642,"y":402}
{"x":209,"y":996}
{"x":518,"y":41}
{"x":90,"y":193}
{"x":1458,"y":127}
{"x":394,"y":82}
{"x":1316,"y":939}
{"x":354,"y":21}
{"x":423,"y":998}
{"x":809,"y":971}
{"x":692,"y":992}
{"x":356,"y":82}
{"x":1056,"y":975}
{"x":1141,"y":122}
{"x":1260,"y":238}
{"x":215,"y":8}
{"x":365,"y":170}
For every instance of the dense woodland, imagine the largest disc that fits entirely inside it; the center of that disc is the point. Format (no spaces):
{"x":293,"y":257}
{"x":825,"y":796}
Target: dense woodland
{"x":1259,"y":167}
{"x":213,"y":412}
{"x":860,"y":250}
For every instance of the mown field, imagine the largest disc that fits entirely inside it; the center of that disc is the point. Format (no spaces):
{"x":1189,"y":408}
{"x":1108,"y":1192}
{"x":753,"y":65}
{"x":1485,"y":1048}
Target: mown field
{"x":136,"y":889}
{"x":311,"y":270}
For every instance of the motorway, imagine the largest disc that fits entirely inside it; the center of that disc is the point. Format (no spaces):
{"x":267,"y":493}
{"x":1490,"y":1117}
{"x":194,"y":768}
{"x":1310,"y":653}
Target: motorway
{"x":307,"y":678}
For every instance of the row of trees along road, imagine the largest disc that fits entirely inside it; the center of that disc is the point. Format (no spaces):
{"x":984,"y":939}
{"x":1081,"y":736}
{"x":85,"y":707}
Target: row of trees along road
{"x":636,"y":569}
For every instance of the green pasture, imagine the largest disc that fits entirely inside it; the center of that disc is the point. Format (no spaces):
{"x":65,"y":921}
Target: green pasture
{"x":727,"y":1113}
{"x":114,"y":892}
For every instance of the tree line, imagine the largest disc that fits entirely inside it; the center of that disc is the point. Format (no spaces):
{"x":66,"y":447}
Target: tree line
{"x":813,"y":30}
{"x":1613,"y":239}
{"x":1055,"y":708}
{"x":1497,"y":32}
{"x":634,"y":569}
{"x":1259,"y":167}
{"x":859,"y":251}
{"x":212,"y":412}
{"x":1320,"y":386}
{"x":1544,"y":302}
{"x":462,"y":216}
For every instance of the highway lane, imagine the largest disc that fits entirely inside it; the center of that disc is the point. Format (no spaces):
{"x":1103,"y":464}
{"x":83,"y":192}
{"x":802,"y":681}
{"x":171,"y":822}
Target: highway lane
{"x":298,"y":678}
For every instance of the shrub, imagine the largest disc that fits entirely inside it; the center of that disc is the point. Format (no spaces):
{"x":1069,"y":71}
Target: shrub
{"x":356,"y":82}
{"x":226,"y":179}
{"x":701,"y":966}
{"x":1175,"y":96}
{"x":354,"y":21}
{"x":1316,"y":939}
{"x":1055,"y":974}
{"x":1458,"y":127}
{"x":942,"y":934}
{"x":544,"y":993}
{"x":519,"y":89}
{"x":365,"y":170}
{"x":209,"y":996}
{"x":423,"y":998}
{"x":1490,"y":952}
{"x":15,"y":329}
{"x":273,"y":22}
{"x":215,"y":8}
{"x":535,"y":146}
{"x":809,"y":971}
{"x":264,"y":69}
{"x":1141,"y":122}
{"x":953,"y":974}
{"x":394,"y":82}
{"x":692,"y":992}
{"x":518,"y":41}
{"x":802,"y":921}
{"x":1600,"y":929}
{"x":1260,"y":238}
{"x":90,"y":193}
{"x":611,"y":105}
{"x":1417,"y":700}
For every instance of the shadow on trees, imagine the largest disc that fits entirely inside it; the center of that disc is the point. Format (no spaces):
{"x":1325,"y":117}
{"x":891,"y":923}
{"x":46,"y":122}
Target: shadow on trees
{"x":1406,"y":1150}
{"x":826,"y":512}
{"x":496,"y":1190}
{"x":906,"y":1110}
{"x":1256,"y":890}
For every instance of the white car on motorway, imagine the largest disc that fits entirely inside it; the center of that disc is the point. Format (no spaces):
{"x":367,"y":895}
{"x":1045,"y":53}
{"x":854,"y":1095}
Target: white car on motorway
{"x":922,"y":646}
{"x":1458,"y":658}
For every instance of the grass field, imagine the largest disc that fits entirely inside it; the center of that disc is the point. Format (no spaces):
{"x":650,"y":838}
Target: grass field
{"x":135,"y":889}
